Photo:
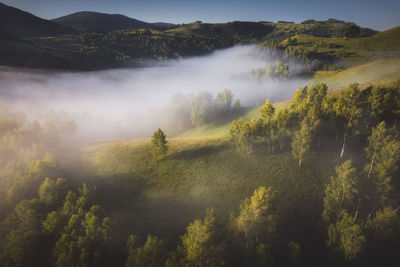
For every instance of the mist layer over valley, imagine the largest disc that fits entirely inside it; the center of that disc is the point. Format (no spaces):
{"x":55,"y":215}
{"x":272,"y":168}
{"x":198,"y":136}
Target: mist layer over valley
{"x":122,"y":103}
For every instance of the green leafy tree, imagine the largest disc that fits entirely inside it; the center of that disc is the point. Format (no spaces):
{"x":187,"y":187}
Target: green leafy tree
{"x":198,"y":115}
{"x":224,"y":99}
{"x":340,"y":192}
{"x":384,"y":225}
{"x":315,"y":99}
{"x":25,"y":183}
{"x":303,"y":139}
{"x":245,"y":134}
{"x":83,"y":242}
{"x":345,"y":237}
{"x":52,"y":192}
{"x":158,"y":144}
{"x":383,"y":233}
{"x":153,"y":252}
{"x":385,"y":104}
{"x":283,"y":119}
{"x":268,"y":110}
{"x":349,"y":112}
{"x":278,"y":71}
{"x":255,"y":226}
{"x":309,"y":101}
{"x":299,"y":104}
{"x":24,"y":243}
{"x":201,"y":106}
{"x":200,"y":243}
{"x":383,"y":152}
{"x":79,"y":231}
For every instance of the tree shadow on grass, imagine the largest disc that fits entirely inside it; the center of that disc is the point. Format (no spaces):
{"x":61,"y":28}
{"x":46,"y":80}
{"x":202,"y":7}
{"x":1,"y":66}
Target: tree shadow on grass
{"x":194,"y":153}
{"x":119,"y":191}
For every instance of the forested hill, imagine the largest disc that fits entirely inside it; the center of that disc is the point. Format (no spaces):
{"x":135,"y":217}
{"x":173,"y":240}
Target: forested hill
{"x":90,"y":40}
{"x":330,"y":28}
{"x":20,"y":23}
{"x":86,"y":21}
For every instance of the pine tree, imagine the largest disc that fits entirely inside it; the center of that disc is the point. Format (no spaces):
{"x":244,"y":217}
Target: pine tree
{"x":159,"y":144}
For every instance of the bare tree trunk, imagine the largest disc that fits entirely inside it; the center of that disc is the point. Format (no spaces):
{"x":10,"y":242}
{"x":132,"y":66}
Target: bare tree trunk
{"x":344,"y":144}
{"x":355,"y":216}
{"x":373,"y":157}
{"x":372,"y":164}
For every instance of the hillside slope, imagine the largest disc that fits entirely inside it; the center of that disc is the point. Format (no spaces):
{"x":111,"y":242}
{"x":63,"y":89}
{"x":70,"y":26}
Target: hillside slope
{"x":23,"y":24}
{"x":377,"y":73}
{"x":197,"y":173}
{"x":330,"y":28}
{"x":86,"y":21}
{"x":384,"y":70}
{"x":346,"y":52}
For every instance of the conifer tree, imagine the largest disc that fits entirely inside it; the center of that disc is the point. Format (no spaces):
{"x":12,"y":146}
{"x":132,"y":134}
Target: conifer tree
{"x":159,"y":144}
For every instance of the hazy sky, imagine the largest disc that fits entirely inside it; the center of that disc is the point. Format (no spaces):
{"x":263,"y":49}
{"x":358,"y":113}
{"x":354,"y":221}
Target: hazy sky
{"x":380,"y":15}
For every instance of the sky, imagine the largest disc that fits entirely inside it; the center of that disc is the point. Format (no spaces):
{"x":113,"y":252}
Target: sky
{"x":379,"y":15}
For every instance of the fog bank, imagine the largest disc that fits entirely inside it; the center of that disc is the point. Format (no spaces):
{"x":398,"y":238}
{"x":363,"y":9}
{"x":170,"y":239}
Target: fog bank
{"x":125,"y":102}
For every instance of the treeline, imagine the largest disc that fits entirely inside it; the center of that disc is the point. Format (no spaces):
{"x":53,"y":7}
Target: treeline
{"x":290,"y":53}
{"x":347,"y":116}
{"x":154,"y":44}
{"x":187,"y":111}
{"x":278,"y":71}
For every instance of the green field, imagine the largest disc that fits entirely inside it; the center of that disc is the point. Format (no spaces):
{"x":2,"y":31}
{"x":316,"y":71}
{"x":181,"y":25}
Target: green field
{"x":201,"y":173}
{"x":380,"y":71}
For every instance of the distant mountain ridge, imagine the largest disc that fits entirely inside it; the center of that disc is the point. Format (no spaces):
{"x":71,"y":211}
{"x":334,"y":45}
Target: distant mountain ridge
{"x":88,"y":21}
{"x":16,"y":22}
{"x":91,"y":40}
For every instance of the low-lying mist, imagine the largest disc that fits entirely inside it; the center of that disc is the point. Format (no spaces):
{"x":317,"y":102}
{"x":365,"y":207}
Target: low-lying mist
{"x":123,"y":103}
